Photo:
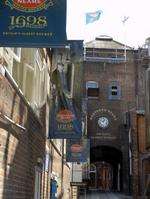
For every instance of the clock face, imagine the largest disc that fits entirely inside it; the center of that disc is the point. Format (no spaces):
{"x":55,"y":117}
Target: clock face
{"x":103,"y":122}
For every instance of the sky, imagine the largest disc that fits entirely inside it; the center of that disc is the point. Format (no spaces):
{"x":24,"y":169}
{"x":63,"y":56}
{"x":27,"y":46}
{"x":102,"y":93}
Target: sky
{"x":133,"y":32}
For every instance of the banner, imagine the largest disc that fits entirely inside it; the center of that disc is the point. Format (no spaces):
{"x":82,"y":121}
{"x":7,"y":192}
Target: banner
{"x":76,"y":50}
{"x":65,"y":123}
{"x":77,"y":150}
{"x":32,"y":23}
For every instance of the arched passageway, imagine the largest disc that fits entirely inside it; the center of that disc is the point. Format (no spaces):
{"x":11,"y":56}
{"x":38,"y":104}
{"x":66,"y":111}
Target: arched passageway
{"x":106,"y":169}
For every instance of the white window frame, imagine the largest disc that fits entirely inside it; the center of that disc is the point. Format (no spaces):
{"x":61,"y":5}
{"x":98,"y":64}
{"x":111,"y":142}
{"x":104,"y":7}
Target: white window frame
{"x":43,"y":78}
{"x":117,"y":90}
{"x":95,"y":85}
{"x":92,"y":82}
{"x":30,"y":68}
{"x":17,"y":72}
{"x":41,"y":71}
{"x":38,"y":60}
{"x":16,"y":55}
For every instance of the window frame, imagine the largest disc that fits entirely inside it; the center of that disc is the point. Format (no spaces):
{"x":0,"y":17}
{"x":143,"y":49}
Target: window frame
{"x":92,"y":87}
{"x":117,"y":90}
{"x":16,"y":54}
{"x":28,"y":69}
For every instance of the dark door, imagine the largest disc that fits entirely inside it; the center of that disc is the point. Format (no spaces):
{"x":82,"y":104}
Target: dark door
{"x":105,"y":177}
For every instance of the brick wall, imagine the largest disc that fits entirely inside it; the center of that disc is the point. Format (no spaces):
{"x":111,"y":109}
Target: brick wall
{"x":116,"y":134}
{"x":141,"y":130}
{"x":19,"y":150}
{"x":104,"y":73}
{"x":66,"y":182}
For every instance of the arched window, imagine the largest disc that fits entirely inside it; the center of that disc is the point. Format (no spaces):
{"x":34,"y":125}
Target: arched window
{"x":114,"y":91}
{"x":92,"y":89}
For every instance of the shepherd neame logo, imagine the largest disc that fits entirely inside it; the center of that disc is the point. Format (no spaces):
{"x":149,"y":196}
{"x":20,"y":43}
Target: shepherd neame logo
{"x":29,"y":5}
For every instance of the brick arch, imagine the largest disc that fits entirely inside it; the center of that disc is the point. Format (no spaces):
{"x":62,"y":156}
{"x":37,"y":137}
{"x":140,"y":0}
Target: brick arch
{"x":97,"y":143}
{"x":99,"y":150}
{"x":109,"y":155}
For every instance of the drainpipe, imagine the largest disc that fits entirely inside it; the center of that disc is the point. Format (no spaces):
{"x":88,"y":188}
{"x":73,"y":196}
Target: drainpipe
{"x":62,"y":168}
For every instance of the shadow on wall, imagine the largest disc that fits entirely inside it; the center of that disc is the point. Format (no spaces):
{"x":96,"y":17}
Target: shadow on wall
{"x":19,"y":149}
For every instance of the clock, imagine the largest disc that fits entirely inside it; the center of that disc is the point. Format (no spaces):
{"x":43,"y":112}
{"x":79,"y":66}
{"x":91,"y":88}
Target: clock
{"x":103,"y":122}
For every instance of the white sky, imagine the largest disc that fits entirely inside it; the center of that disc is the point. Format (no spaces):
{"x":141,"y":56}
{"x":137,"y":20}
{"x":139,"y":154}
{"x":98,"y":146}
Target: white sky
{"x":133,"y":33}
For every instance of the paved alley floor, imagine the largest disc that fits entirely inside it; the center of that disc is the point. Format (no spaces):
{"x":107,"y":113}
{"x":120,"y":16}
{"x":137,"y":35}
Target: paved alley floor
{"x":107,"y":195}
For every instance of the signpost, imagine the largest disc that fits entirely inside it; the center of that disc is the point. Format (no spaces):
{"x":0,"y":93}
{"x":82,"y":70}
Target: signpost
{"x":32,"y":23}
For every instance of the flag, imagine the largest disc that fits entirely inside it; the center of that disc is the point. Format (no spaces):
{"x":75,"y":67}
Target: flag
{"x":93,"y":16}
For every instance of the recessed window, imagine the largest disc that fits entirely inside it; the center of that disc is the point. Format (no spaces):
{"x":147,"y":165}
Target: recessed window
{"x":92,"y":89}
{"x":114,"y":91}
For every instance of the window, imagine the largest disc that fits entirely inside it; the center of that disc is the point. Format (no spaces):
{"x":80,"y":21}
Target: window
{"x":16,"y":53}
{"x":114,"y":91}
{"x":28,"y":82}
{"x":38,"y":59}
{"x":92,"y":89}
{"x":17,"y":73}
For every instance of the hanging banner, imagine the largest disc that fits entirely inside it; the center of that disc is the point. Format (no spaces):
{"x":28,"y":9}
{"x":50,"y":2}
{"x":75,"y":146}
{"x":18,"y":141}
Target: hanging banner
{"x":32,"y":23}
{"x":77,"y":150}
{"x":76,"y":50}
{"x":65,"y":123}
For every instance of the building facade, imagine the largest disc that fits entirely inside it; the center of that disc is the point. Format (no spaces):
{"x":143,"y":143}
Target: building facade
{"x":29,"y":159}
{"x":143,"y":116}
{"x":110,"y":93}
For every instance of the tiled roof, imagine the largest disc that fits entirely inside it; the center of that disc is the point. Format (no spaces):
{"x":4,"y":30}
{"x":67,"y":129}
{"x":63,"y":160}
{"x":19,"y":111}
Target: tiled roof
{"x":106,"y":42}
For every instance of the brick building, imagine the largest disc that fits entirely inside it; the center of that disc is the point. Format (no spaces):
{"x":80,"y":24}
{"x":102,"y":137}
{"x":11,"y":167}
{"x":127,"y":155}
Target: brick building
{"x":143,"y":133}
{"x":110,"y":93}
{"x":28,"y":158}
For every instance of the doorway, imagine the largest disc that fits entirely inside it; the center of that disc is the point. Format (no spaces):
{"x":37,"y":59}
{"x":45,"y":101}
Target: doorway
{"x":108,"y":163}
{"x":105,"y":176}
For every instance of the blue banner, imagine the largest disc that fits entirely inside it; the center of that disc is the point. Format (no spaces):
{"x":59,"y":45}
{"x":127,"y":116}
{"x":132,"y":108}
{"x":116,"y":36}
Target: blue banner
{"x":76,"y":50}
{"x":32,"y":23}
{"x":65,"y":123}
{"x":65,"y":117}
{"x":77,"y":150}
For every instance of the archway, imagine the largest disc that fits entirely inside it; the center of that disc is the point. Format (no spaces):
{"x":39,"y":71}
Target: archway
{"x":108,"y":162}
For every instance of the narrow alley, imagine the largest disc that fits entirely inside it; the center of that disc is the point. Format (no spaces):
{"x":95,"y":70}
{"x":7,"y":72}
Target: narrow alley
{"x":74,"y":110}
{"x":102,"y":195}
